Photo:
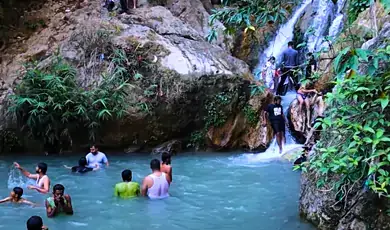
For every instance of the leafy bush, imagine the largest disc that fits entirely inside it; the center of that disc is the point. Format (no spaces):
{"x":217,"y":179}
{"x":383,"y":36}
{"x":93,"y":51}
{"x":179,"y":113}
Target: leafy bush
{"x":50,"y":106}
{"x":354,"y":147}
{"x":247,"y":14}
{"x":251,"y":115}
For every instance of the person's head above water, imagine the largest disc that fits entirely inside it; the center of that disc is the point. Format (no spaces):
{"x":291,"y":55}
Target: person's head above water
{"x":127,"y":175}
{"x":166,"y":158}
{"x":41,"y":168}
{"x":277,"y":100}
{"x":83,"y":162}
{"x":155,"y":165}
{"x":290,"y":44}
{"x":94,"y":149}
{"x":35,"y":223}
{"x":17,"y":193}
{"x":58,"y":190}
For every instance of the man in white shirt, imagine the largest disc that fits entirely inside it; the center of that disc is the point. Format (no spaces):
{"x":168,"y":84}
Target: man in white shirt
{"x":95,"y":158}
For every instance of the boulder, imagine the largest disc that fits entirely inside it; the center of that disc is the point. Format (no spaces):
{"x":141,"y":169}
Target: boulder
{"x":172,"y":147}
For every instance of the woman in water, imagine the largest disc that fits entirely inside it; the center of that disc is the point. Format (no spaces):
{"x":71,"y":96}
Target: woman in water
{"x":82,"y":167}
{"x":166,"y":164}
{"x":16,"y":197}
{"x":269,"y":74}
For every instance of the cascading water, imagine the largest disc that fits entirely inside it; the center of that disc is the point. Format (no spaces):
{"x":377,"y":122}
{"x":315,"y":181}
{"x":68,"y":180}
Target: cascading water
{"x":283,"y":36}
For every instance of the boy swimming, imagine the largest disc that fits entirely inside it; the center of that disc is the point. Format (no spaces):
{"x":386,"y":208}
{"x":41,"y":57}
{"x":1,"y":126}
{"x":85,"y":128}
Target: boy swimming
{"x":16,"y":197}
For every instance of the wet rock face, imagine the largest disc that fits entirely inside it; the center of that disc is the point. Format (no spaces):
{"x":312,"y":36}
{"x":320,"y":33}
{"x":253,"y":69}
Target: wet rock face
{"x":365,"y":210}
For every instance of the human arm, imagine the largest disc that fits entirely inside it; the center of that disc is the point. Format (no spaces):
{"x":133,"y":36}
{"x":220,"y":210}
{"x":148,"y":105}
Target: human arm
{"x":46,"y":186}
{"x":96,"y":168}
{"x":67,"y":167}
{"x":25,"y":172}
{"x":145,"y":186}
{"x":68,"y":208}
{"x":116,"y":192}
{"x":24,"y":201}
{"x":5,"y":200}
{"x":105,"y":160}
{"x":264,"y":115}
{"x":51,"y":212}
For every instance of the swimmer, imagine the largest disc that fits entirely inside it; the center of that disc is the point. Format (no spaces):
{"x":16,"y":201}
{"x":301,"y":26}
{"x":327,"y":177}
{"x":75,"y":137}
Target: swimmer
{"x":82,"y":167}
{"x":16,"y":197}
{"x":166,"y":164}
{"x":156,"y":185}
{"x":35,"y":223}
{"x":96,"y":157}
{"x":58,"y":203}
{"x":42,"y":180}
{"x":127,"y":188}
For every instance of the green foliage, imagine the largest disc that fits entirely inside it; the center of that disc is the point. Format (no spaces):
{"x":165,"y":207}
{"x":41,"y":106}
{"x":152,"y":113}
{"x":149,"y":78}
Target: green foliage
{"x":356,"y":7}
{"x":257,"y":89}
{"x":50,"y":105}
{"x":246,"y":15}
{"x":251,"y":115}
{"x":354,"y":146}
{"x":216,"y":115}
{"x":197,"y":139}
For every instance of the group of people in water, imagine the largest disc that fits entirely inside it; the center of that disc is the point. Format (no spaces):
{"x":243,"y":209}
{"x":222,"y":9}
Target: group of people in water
{"x":275,"y":81}
{"x":154,"y":186}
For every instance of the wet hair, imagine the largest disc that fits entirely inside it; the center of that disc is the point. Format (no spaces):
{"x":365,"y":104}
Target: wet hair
{"x":83,"y":161}
{"x":126,"y":175}
{"x":43,"y":167}
{"x":59,"y":187}
{"x":290,"y":43}
{"x":34,"y":223}
{"x":155,"y":164}
{"x":166,"y":158}
{"x":272,"y":58}
{"x":18,"y":191}
{"x":277,"y":98}
{"x":96,"y":147}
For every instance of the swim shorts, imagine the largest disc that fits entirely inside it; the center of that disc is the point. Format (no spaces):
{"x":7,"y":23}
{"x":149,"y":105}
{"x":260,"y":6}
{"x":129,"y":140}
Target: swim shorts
{"x":278,"y":126}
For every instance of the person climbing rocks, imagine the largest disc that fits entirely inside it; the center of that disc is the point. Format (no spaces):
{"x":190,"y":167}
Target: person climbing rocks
{"x":16,"y":197}
{"x":82,"y":167}
{"x":166,"y":164}
{"x":277,"y":120}
{"x":35,"y":223}
{"x":302,"y":96}
{"x":289,"y":62}
{"x":156,"y":185}
{"x":268,"y":74}
{"x":311,"y":66}
{"x":42,"y":180}
{"x":58,"y":203}
{"x":127,"y":188}
{"x":96,"y":158}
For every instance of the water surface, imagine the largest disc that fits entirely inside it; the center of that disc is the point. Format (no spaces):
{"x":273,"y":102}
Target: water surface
{"x":209,"y":191}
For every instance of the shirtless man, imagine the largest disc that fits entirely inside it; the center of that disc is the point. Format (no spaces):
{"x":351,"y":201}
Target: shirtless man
{"x":59,"y":202}
{"x":16,"y":197}
{"x":156,"y":185}
{"x":42,"y":180}
{"x":166,"y":164}
{"x":35,"y":223}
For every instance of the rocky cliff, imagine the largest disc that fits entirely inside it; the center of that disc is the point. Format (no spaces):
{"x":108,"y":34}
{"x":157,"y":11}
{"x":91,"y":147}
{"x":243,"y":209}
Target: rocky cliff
{"x":198,"y":88}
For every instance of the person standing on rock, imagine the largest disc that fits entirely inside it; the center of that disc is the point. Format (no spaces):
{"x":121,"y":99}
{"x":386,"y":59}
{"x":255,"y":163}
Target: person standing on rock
{"x":289,"y":62}
{"x":42,"y":180}
{"x":277,"y":119}
{"x":95,"y":157}
{"x":268,"y":74}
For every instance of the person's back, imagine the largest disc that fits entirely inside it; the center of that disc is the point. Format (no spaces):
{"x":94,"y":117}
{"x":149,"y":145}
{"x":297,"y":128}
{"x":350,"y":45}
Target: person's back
{"x":160,"y":187}
{"x":290,"y":58}
{"x":127,"y":188}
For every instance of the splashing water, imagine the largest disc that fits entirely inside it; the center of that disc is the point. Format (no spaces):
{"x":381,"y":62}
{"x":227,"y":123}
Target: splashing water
{"x":16,"y":179}
{"x":284,"y":35}
{"x":272,"y":152}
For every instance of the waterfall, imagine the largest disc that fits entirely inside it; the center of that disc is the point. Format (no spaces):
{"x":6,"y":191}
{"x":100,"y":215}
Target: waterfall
{"x":283,"y":36}
{"x":327,"y":14}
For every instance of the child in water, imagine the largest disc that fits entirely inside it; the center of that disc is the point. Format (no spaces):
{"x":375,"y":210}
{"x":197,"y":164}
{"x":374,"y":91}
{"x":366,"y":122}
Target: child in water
{"x":16,"y":197}
{"x":82,"y":167}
